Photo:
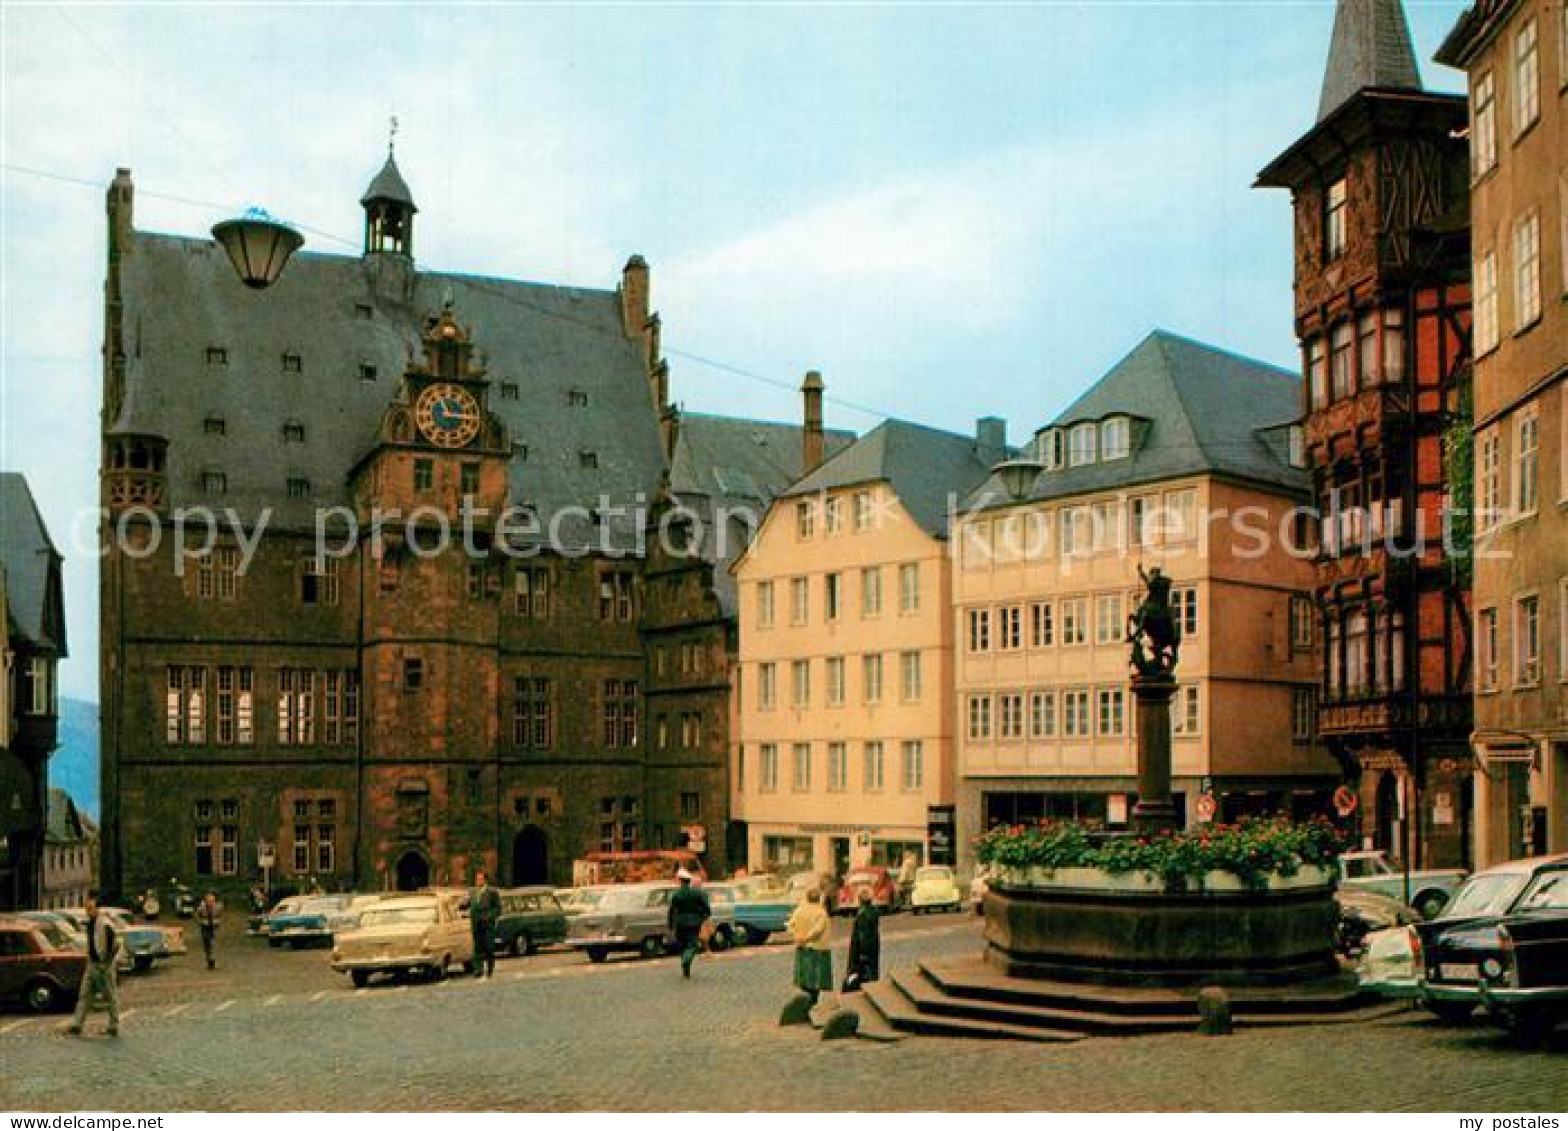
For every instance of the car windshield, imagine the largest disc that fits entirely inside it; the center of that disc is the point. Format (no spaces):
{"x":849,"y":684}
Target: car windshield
{"x":862,"y":878}
{"x":321,"y":906}
{"x":395,"y":916}
{"x":933,"y":874}
{"x":582,"y":900}
{"x":1550,"y":893}
{"x":58,"y":935}
{"x":1485,"y":895}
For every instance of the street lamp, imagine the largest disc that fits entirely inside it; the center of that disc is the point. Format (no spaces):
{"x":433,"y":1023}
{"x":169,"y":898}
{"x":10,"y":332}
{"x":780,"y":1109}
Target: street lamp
{"x":1017,"y":476}
{"x":259,"y":246}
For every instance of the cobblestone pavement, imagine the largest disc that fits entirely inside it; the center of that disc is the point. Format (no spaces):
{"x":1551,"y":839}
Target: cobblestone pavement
{"x":554,"y":1032}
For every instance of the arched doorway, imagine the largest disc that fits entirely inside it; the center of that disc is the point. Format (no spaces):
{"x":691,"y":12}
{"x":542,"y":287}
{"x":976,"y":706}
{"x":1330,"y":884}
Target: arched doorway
{"x":530,"y":857}
{"x":413,"y":871}
{"x":1387,"y":810}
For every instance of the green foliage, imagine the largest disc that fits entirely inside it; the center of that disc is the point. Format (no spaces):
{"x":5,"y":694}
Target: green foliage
{"x":1459,"y":473}
{"x":1251,"y":849}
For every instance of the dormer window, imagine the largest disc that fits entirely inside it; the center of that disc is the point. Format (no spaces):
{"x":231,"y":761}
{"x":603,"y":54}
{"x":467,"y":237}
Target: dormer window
{"x":215,"y":426}
{"x":298,"y":488}
{"x":1080,"y":445}
{"x":1335,"y":205}
{"x":363,"y":311}
{"x":217,"y":355}
{"x":292,"y":363}
{"x":509,"y":391}
{"x":214,"y":483}
{"x":1050,"y":445}
{"x":367,"y":372}
{"x":1298,"y":446}
{"x":294,"y":432}
{"x":588,"y":460}
{"x":1116,"y":438}
{"x":577,"y":398}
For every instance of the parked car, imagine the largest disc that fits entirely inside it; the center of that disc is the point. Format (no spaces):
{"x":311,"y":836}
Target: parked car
{"x":798,"y":884}
{"x":284,"y":909}
{"x":530,"y":918}
{"x":635,"y":917}
{"x":1513,"y":965}
{"x":936,"y":889}
{"x":34,"y":972}
{"x":420,"y":933}
{"x":880,"y":882}
{"x":62,"y":932}
{"x":761,"y":909}
{"x":310,"y":923}
{"x":1389,"y":960}
{"x":1362,"y":913}
{"x":146,"y":943}
{"x":1371,"y":870}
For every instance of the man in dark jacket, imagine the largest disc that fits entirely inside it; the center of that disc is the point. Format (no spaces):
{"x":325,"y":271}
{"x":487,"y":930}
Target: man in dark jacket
{"x":208,"y":916}
{"x":689,"y":910}
{"x":484,"y":912}
{"x":865,"y":945}
{"x":100,"y":977}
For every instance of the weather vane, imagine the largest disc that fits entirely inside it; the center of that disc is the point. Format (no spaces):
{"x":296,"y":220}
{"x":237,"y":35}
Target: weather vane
{"x":392,"y":133}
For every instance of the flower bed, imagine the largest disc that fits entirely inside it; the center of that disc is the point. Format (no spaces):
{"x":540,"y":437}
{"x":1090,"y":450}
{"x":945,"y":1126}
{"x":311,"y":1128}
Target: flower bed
{"x":1251,"y":855}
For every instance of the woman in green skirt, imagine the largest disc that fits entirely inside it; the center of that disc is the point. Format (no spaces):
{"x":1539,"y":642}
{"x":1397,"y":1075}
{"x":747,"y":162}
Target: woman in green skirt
{"x":808,"y":926}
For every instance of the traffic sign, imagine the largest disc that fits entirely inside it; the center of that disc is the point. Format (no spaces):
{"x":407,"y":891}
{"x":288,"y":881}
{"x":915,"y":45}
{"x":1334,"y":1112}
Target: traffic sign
{"x":1345,"y":801}
{"x":1206,"y":807}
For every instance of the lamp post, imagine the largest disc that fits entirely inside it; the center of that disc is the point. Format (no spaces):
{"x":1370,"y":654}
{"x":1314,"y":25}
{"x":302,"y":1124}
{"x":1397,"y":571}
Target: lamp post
{"x":258,"y":246}
{"x":1018,"y":476}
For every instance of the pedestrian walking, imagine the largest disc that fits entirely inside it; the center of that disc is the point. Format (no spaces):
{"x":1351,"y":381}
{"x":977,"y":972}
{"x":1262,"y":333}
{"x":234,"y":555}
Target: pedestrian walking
{"x":808,"y":927}
{"x":484,"y":912}
{"x":208,"y":915}
{"x":865,"y":945}
{"x":689,"y":910}
{"x":100,"y":979}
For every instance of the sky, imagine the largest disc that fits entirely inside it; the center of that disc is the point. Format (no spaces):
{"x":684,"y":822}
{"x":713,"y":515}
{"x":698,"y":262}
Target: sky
{"x":951,"y":211}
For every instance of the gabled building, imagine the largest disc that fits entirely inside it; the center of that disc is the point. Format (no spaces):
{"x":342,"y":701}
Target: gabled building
{"x":1379,"y":185}
{"x":1182,"y":457}
{"x":70,"y":854}
{"x":844,"y":752}
{"x":32,"y":644}
{"x":1515,"y":53}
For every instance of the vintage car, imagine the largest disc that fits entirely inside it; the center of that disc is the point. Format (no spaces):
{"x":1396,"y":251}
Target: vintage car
{"x":34,"y":971}
{"x":1388,"y":964}
{"x":284,"y":909}
{"x":635,"y":917}
{"x":530,"y":918}
{"x":936,"y":889}
{"x":799,"y":883}
{"x":1362,"y":914}
{"x":1514,"y":965}
{"x":877,"y":880}
{"x":311,"y":922}
{"x":761,"y":909}
{"x":146,"y":943}
{"x":1429,"y":891}
{"x":423,"y":933}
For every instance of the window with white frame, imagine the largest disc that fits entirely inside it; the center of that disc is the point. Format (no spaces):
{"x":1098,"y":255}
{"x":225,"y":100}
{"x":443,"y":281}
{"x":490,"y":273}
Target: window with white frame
{"x":1080,"y":444}
{"x":1042,"y":624}
{"x":1486,"y":646}
{"x":1077,"y":535}
{"x":909,"y":587}
{"x":805,"y":518}
{"x":765,"y":604}
{"x":832,"y":515}
{"x":1105,"y":519}
{"x":909,"y":665}
{"x":1488,"y":317}
{"x":832,"y":595}
{"x":864,"y":511}
{"x":768,"y":766}
{"x":1010,"y":628}
{"x":914,"y":765}
{"x":1527,"y":640}
{"x":1489,"y":480}
{"x":1335,"y":204}
{"x":835,"y":680}
{"x":979,"y":630}
{"x":1483,"y":124}
{"x":1317,"y":373}
{"x":1116,"y":438}
{"x":871,"y":591}
{"x":871,"y":757}
{"x":800,"y":682}
{"x":1297,"y":442}
{"x":1075,"y":713}
{"x":799,"y":600}
{"x":1184,"y":605}
{"x":1185,"y":716}
{"x":1108,"y":626}
{"x":1181,"y":515}
{"x":1527,"y":269}
{"x":1527,"y":76}
{"x":800,"y":767}
{"x":1042,"y":714}
{"x":838,"y":767}
{"x":1075,"y":620}
{"x":1368,"y":359}
{"x":41,"y":698}
{"x":1050,"y":446}
{"x":1010,"y":712}
{"x":1527,"y":458}
{"x":767,"y":685}
{"x":1112,"y":712}
{"x":1393,"y":345}
{"x":1303,"y":613}
{"x":1341,"y":351}
{"x":979,"y":718}
{"x":1303,"y":712}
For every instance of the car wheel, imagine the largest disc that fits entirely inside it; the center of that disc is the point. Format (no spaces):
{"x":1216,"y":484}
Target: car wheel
{"x":653,"y":947}
{"x":41,"y":996}
{"x":142,"y":963}
{"x":274,"y":942}
{"x":722,"y":939}
{"x":1430,"y":904}
{"x":438,"y":970}
{"x":1451,"y":1012}
{"x":597,"y":954}
{"x":360,"y":978}
{"x":750,"y":936}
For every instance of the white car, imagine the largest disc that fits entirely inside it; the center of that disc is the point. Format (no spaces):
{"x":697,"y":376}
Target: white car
{"x":1430,"y":890}
{"x":424,"y":933}
{"x":936,"y":889}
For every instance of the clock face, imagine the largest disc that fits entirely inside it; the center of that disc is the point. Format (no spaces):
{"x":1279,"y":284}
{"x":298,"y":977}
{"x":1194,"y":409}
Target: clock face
{"x":447,"y":415}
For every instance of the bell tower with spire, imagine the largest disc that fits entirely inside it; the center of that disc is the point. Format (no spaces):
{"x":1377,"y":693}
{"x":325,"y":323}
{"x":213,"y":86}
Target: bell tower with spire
{"x":1379,"y":186}
{"x":389,"y":209}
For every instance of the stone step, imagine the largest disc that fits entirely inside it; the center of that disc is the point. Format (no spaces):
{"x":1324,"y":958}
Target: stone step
{"x":931,"y":999}
{"x":901,"y":1013}
{"x":973,"y":978}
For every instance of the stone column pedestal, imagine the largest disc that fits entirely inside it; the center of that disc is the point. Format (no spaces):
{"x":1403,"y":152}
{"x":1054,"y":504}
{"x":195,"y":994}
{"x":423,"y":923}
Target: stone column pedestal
{"x":1154,"y":811}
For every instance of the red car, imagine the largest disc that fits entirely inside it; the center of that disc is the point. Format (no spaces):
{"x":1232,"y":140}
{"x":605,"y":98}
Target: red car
{"x":33,"y":971}
{"x":878,"y":881}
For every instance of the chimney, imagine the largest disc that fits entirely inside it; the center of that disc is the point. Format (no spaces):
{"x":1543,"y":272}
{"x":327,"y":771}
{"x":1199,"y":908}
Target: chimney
{"x":811,"y":442}
{"x":120,"y":201}
{"x":991,"y":440}
{"x":634,"y":297}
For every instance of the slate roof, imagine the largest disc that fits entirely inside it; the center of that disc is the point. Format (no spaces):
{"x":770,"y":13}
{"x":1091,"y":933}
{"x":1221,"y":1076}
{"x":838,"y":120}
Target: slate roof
{"x":1207,"y":411}
{"x":67,"y":824}
{"x":924,"y":466}
{"x":32,"y":568}
{"x":741,"y":466}
{"x":1370,"y":48}
{"x":389,"y":185}
{"x":181,"y":297}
